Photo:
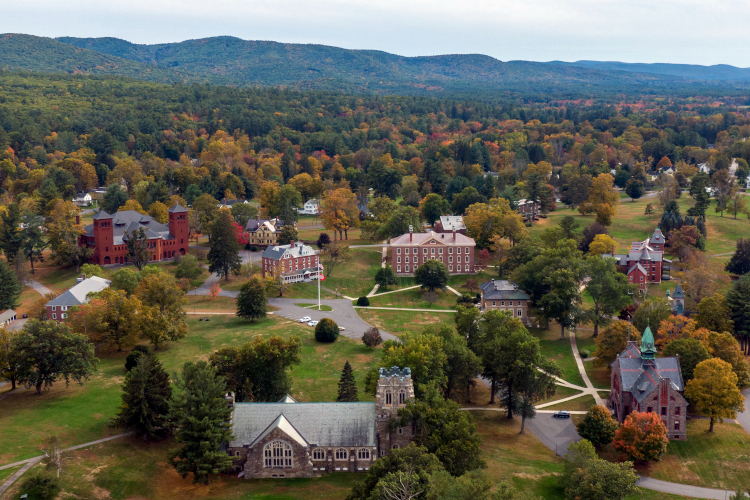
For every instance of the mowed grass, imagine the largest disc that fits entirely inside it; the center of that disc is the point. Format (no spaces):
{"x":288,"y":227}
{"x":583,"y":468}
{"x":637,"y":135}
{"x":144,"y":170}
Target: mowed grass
{"x":599,"y":375}
{"x":579,"y":404}
{"x":558,"y":351}
{"x":397,"y":322}
{"x":355,"y":278}
{"x":80,"y":413}
{"x":6,"y":473}
{"x":716,"y":460}
{"x":414,"y":298}
{"x":129,"y":468}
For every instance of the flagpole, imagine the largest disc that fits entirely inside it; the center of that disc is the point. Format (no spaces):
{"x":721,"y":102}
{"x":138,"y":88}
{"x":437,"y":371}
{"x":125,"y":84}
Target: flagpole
{"x":318,"y":287}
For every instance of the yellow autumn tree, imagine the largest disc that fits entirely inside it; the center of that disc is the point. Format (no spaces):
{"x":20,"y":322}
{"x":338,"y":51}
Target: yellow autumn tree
{"x":159,"y":212}
{"x":714,"y":390}
{"x":340,"y":212}
{"x":603,"y":243}
{"x":132,"y":205}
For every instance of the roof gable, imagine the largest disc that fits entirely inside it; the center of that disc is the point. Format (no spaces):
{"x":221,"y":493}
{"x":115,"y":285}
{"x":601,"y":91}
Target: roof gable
{"x":284,"y":426}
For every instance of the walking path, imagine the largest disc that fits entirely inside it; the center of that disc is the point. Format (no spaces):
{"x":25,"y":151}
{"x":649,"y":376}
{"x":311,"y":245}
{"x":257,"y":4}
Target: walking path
{"x":590,"y":389}
{"x":406,"y":309}
{"x":39,"y":288}
{"x":30,"y":462}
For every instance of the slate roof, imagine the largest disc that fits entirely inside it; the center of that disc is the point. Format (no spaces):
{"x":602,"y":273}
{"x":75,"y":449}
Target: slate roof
{"x":101,"y":215}
{"x":440,"y":238}
{"x":622,"y":260}
{"x":76,"y":295}
{"x":321,"y":424}
{"x":639,"y":267}
{"x":679,"y":293}
{"x":130,"y":220}
{"x":502,"y":290}
{"x":658,"y":237}
{"x":283,"y":424}
{"x":177,"y":209}
{"x":287,"y":399}
{"x":253,"y":224}
{"x":276,"y":252}
{"x":452,"y":223}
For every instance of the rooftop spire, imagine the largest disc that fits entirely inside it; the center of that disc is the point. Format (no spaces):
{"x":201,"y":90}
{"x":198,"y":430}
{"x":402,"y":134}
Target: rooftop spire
{"x":648,"y":349}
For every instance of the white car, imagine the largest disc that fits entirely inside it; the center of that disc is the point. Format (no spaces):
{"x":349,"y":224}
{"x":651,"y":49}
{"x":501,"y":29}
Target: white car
{"x":312,"y":323}
{"x":305,"y":319}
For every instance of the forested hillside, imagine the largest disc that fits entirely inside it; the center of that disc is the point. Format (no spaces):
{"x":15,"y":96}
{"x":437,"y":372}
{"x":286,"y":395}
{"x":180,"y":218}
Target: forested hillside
{"x":207,"y":139}
{"x":236,"y":62}
{"x":716,"y":72}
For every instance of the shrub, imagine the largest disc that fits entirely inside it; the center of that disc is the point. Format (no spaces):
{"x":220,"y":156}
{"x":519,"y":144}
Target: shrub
{"x":363,"y":301}
{"x":372,"y":338}
{"x":464,"y":300}
{"x":41,"y":487}
{"x":584,"y":353}
{"x":132,"y":358}
{"x":253,"y":249}
{"x":327,"y":330}
{"x":188,"y":268}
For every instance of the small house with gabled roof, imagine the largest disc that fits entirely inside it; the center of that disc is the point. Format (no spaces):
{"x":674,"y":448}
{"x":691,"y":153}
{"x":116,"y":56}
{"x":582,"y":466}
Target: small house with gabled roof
{"x":504,"y":295}
{"x":641,"y":382}
{"x":75,"y":296}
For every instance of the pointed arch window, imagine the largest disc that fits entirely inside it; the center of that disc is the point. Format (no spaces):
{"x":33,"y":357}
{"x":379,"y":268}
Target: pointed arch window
{"x":277,"y":455}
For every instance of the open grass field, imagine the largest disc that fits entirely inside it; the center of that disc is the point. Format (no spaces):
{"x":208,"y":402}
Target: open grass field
{"x":558,"y":351}
{"x":80,"y":413}
{"x":6,"y":473}
{"x":716,"y":460}
{"x":413,"y":298}
{"x":579,"y":404}
{"x":199,"y":303}
{"x":600,"y":376}
{"x":397,"y":322}
{"x":309,"y":291}
{"x":357,"y":277}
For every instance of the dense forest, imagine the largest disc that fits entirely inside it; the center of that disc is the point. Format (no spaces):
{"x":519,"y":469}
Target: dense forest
{"x":203,"y":135}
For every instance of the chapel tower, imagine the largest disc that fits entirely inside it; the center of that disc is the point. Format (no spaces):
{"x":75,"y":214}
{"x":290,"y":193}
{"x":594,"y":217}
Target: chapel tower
{"x":395,"y":388}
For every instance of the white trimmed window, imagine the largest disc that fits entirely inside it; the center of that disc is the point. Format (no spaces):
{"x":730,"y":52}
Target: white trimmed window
{"x":407,"y":269}
{"x":424,"y":251}
{"x":319,"y":454}
{"x":450,"y":250}
{"x":466,"y":259}
{"x":415,"y":251}
{"x":54,"y":315}
{"x":467,"y":268}
{"x":398,"y":269}
{"x":440,"y":251}
{"x":450,"y":258}
{"x":398,"y":259}
{"x":520,"y":313}
{"x":398,"y":251}
{"x":342,"y":454}
{"x":493,"y":303}
{"x":277,"y":455}
{"x":458,"y":250}
{"x":363,"y":454}
{"x":450,"y":268}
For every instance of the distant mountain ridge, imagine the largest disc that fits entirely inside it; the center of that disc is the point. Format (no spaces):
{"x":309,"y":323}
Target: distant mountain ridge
{"x":717,"y":72}
{"x":231,"y":61}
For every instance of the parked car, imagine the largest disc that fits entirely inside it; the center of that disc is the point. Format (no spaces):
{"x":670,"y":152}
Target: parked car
{"x":561,"y":414}
{"x":306,"y":319}
{"x":312,"y":323}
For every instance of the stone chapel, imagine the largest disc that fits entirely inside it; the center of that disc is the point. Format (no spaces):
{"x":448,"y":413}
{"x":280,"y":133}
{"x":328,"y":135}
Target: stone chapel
{"x":292,"y":439}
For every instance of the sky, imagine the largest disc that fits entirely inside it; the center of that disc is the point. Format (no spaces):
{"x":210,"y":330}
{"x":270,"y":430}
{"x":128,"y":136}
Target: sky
{"x":669,"y":31}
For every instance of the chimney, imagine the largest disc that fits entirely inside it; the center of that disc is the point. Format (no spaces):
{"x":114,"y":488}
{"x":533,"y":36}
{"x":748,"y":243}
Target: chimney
{"x":291,"y":244}
{"x":78,"y":220}
{"x":411,"y":231}
{"x":454,"y":234}
{"x":83,"y":277}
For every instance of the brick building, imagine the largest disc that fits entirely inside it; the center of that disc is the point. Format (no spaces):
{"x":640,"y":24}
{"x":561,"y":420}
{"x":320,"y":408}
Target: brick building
{"x":502,"y":295}
{"x":645,"y":262}
{"x":450,"y":223}
{"x":295,"y":262}
{"x":293,"y":440}
{"x":641,"y":382}
{"x":410,"y":250}
{"x":108,"y":235}
{"x":75,"y":296}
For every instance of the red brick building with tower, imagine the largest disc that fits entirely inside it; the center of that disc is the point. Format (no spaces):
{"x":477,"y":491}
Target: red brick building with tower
{"x":109,"y":234}
{"x":644,"y":263}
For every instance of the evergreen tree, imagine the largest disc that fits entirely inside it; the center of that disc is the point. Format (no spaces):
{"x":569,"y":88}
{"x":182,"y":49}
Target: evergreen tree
{"x":740,"y":261}
{"x":145,"y":398}
{"x":251,"y":301}
{"x":347,"y":385}
{"x":738,"y":301}
{"x":10,"y":288}
{"x":114,"y":198}
{"x":224,"y":256}
{"x":386,"y":276}
{"x":287,"y":234}
{"x":11,"y":237}
{"x":201,"y":421}
{"x":33,"y":237}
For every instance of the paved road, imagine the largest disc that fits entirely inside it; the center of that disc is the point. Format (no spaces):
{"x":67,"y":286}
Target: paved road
{"x":343,"y":314}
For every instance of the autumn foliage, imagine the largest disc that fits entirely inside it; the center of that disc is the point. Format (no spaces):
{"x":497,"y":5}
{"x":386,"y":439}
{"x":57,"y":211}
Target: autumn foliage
{"x":642,"y":437}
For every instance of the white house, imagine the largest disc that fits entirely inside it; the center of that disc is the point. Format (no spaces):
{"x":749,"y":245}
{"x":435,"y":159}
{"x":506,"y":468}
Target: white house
{"x":82,"y":199}
{"x":311,"y":207}
{"x":703,"y":167}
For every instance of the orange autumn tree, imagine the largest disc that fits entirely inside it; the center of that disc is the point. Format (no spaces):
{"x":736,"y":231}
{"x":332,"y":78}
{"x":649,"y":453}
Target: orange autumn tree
{"x":642,"y":437}
{"x":340,"y":212}
{"x":673,"y":328}
{"x":664,"y":163}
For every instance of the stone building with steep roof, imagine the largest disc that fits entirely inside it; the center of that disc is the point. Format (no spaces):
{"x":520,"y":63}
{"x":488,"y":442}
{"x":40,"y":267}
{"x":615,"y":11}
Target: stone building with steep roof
{"x":641,"y":382}
{"x":289,"y":439}
{"x":503,"y":295}
{"x":108,"y":235}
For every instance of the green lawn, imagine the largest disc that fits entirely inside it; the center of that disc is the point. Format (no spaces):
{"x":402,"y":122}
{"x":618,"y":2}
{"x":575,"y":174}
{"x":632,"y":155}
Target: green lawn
{"x":599,"y":375}
{"x":558,"y":351}
{"x":56,"y":278}
{"x":6,"y":473}
{"x":716,"y":460}
{"x":579,"y":404}
{"x":413,"y":299}
{"x":199,"y":303}
{"x":396,"y":322}
{"x":79,"y":414}
{"x":356,"y":278}
{"x":308,"y":291}
{"x":562,"y":392}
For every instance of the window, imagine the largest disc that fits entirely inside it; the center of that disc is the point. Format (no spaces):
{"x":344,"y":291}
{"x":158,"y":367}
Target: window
{"x":398,"y":259}
{"x":466,"y":268}
{"x":415,"y":251}
{"x":510,"y":303}
{"x":319,"y":454}
{"x":363,"y":454}
{"x":398,"y":269}
{"x":388,"y":398}
{"x":677,"y":410}
{"x":54,"y":316}
{"x":641,"y":278}
{"x":63,"y":315}
{"x":520,"y":312}
{"x":382,"y":453}
{"x":677,"y":425}
{"x":342,"y":454}
{"x":440,"y":251}
{"x":401,"y":397}
{"x":648,"y":410}
{"x":400,"y":430}
{"x":450,"y":250}
{"x":398,"y":251}
{"x":54,"y":308}
{"x":450,"y":258}
{"x":493,"y":303}
{"x":627,"y":410}
{"x":466,"y":259}
{"x":64,"y":308}
{"x":663,"y":410}
{"x":432,"y":251}
{"x":277,"y":454}
{"x":458,"y":250}
{"x":450,"y":268}
{"x":424,"y":251}
{"x":406,"y":259}
{"x":407,"y":269}
{"x":394,"y":447}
